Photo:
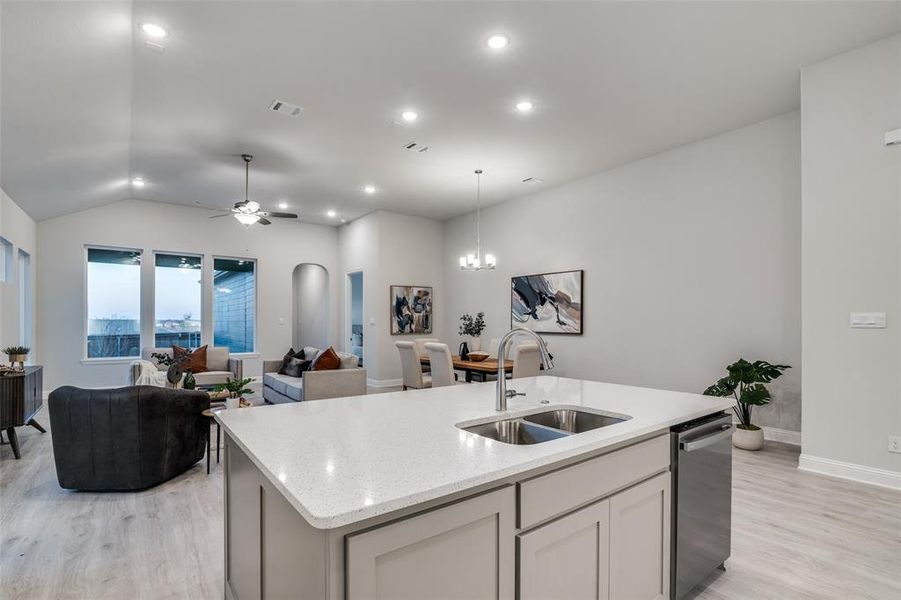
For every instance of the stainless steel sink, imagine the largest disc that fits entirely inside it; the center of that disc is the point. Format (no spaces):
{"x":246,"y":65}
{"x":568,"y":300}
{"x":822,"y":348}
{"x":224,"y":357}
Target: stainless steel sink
{"x":573,"y":421}
{"x":515,"y":431}
{"x":544,"y":426}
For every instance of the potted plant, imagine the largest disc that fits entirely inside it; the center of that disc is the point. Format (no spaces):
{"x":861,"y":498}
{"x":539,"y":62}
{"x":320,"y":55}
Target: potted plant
{"x":17,"y":354}
{"x":236,"y":388}
{"x":473,"y":327}
{"x":745,"y":382}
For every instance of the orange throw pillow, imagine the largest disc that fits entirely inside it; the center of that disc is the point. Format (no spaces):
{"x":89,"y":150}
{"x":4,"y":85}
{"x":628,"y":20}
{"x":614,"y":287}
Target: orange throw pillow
{"x":326,"y":360}
{"x":193,"y":361}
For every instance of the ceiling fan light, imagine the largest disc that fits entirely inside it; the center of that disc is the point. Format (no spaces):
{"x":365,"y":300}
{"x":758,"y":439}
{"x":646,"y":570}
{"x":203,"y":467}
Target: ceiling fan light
{"x":251,"y":206}
{"x":245,"y":219}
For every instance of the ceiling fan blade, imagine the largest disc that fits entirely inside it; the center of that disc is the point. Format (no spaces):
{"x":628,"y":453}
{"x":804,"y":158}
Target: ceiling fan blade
{"x":217,"y":216}
{"x":280,"y":215}
{"x":264,"y":221}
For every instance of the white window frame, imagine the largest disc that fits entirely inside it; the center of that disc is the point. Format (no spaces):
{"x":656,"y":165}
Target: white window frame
{"x":152,"y":295}
{"x":6,"y":260}
{"x":86,"y":313}
{"x":256,"y":303}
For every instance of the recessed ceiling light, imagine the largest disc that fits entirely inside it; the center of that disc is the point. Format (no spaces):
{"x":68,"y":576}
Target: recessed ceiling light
{"x":137,"y":182}
{"x":524,"y":106}
{"x":409,"y":115}
{"x":154,"y":30}
{"x":344,"y":220}
{"x":283,"y":205}
{"x":369,"y":189}
{"x":332,"y":214}
{"x":498,"y":41}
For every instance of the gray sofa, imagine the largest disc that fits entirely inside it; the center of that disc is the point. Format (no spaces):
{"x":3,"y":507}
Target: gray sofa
{"x":347,"y":380}
{"x":218,"y":360}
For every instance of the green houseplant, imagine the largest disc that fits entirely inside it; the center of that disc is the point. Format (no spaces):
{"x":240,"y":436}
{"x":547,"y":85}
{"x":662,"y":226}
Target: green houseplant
{"x":236,"y":388}
{"x":17,"y":354}
{"x":473,"y":327}
{"x":746,"y":383}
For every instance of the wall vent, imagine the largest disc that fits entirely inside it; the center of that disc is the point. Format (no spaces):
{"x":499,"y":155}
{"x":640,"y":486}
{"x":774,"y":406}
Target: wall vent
{"x":285,"y":108}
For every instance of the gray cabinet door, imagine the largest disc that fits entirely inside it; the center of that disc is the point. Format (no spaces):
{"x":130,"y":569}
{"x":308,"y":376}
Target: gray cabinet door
{"x":464,"y":550}
{"x":640,"y":541}
{"x":567,"y":558}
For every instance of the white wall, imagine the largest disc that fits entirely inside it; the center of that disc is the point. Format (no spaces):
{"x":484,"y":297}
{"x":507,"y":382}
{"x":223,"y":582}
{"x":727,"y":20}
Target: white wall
{"x":851,"y":249}
{"x":19,"y":229}
{"x":391,"y":249}
{"x":150,"y":226}
{"x":691,"y":261}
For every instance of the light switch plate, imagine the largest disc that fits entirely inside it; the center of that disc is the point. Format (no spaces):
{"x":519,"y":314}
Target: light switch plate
{"x":867,"y":320}
{"x":372,"y":320}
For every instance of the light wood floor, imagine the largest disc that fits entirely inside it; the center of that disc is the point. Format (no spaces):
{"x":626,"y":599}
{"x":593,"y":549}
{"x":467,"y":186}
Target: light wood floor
{"x":795,"y":535}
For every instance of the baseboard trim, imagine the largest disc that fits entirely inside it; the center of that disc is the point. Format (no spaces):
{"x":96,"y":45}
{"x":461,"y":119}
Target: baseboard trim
{"x":786,"y":436}
{"x":384,"y":383}
{"x":853,"y":472}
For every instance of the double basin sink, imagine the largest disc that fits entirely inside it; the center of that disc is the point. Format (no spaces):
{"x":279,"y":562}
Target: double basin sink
{"x":544,"y":426}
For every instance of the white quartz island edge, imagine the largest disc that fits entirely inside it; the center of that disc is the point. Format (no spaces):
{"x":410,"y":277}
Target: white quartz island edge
{"x":345,"y":460}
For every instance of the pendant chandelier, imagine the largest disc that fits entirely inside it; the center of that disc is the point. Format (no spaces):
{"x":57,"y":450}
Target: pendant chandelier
{"x":473,"y":262}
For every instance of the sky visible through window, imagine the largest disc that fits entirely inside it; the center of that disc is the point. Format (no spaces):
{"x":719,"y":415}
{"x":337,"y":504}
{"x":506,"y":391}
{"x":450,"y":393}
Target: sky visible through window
{"x":114,"y":290}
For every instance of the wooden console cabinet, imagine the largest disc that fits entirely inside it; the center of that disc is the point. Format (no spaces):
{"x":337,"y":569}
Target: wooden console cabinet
{"x":21,"y":396}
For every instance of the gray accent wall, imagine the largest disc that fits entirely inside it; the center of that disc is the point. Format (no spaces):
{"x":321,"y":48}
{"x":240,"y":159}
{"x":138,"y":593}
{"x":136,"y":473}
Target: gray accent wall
{"x":691,"y":258}
{"x":852,"y":259}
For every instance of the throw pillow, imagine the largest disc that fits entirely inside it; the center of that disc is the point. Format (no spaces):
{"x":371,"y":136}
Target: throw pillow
{"x":195,"y":361}
{"x":326,"y":360}
{"x":287,"y":358}
{"x":296,"y":367}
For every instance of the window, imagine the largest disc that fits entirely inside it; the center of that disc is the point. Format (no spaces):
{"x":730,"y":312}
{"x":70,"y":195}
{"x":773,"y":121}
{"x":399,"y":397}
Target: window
{"x":6,"y":259}
{"x":25,"y":300}
{"x":234,"y":304}
{"x":177,"y":301}
{"x":114,"y":303}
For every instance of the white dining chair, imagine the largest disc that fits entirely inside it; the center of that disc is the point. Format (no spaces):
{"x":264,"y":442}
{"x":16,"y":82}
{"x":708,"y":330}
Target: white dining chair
{"x":411,"y":367}
{"x":528,"y":360}
{"x":420,"y":345}
{"x":492,"y":347}
{"x":441,"y":363}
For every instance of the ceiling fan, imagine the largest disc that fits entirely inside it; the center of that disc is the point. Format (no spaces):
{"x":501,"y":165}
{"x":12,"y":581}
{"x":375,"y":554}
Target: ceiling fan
{"x":247,"y":211}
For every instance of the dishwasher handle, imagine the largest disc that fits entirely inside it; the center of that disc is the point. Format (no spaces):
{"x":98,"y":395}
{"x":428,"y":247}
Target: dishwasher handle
{"x":709,"y":440}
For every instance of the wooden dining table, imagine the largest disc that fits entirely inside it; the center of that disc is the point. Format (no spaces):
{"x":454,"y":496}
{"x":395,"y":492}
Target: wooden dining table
{"x":470,"y":367}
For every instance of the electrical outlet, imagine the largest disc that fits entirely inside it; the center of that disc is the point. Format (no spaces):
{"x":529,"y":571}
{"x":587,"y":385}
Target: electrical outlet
{"x":894,"y":443}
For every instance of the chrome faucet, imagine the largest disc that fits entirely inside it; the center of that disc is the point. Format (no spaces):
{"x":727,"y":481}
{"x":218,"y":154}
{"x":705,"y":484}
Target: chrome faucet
{"x":502,"y":392}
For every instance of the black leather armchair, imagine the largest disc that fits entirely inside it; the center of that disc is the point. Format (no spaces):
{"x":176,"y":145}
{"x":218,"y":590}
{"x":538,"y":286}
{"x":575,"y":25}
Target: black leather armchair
{"x":125,"y":439}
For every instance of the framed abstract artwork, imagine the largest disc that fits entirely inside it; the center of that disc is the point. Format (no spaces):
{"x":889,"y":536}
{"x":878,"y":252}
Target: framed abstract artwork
{"x":547,"y":302}
{"x":411,"y":309}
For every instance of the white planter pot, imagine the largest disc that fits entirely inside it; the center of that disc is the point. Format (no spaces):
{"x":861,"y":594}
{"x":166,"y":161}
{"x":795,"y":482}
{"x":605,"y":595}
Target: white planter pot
{"x":748,"y":439}
{"x":475,"y":344}
{"x":232,"y":402}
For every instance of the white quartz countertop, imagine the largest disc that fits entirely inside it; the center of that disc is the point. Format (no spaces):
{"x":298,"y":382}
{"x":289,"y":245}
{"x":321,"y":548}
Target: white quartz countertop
{"x":343,"y":460}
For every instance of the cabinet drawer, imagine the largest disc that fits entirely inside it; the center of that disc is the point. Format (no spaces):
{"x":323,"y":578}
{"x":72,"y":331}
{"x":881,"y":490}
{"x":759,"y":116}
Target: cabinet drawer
{"x":558,"y":492}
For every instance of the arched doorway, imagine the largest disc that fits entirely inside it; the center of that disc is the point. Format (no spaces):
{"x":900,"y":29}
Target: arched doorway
{"x":310,"y":306}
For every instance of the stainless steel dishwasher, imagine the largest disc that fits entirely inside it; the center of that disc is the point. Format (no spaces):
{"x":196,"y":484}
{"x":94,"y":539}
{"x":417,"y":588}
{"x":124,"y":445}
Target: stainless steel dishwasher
{"x":702,"y":500}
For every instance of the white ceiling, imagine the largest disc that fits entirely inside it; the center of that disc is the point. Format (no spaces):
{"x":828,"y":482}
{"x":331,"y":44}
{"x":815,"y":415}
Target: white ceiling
{"x":85,"y":106}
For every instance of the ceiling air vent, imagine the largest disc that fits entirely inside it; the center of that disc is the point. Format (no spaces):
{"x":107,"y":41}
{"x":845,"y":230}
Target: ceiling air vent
{"x":532,"y":180}
{"x":416,"y":147}
{"x":285,"y":108}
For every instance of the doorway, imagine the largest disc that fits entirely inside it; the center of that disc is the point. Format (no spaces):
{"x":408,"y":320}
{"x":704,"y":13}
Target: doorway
{"x":354,"y":317}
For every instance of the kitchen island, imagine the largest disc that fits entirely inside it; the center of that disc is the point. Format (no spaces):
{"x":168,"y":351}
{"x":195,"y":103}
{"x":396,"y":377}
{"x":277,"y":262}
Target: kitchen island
{"x":388,"y":496}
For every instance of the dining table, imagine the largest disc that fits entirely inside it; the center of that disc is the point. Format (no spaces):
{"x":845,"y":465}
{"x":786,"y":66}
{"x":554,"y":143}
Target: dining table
{"x":472,"y":368}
